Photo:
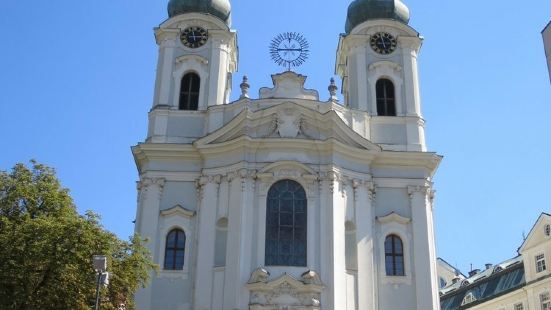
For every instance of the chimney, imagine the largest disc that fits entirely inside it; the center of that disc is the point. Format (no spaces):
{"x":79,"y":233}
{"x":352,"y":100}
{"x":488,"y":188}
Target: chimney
{"x":488,"y":266}
{"x":474,"y":272}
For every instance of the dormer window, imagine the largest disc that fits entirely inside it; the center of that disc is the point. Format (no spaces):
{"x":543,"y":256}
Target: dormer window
{"x":468,"y":299}
{"x":386,"y":98}
{"x":189,"y":92}
{"x":540,"y":263}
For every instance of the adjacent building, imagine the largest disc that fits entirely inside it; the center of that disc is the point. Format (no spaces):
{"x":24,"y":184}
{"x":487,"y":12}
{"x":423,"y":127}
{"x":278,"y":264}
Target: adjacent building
{"x":520,"y":283}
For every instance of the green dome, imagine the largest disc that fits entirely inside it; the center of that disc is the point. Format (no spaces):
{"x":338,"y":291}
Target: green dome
{"x":218,"y":8}
{"x":360,"y":11}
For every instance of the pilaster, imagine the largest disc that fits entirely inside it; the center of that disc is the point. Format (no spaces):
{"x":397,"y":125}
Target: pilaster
{"x":209,"y":189}
{"x":424,"y":252}
{"x":364,"y":195}
{"x":147,"y":224}
{"x":240,"y":238}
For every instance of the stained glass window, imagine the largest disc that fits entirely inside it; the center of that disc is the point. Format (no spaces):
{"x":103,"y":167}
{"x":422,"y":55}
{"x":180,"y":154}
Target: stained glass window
{"x":175,"y":250}
{"x":189,"y":92}
{"x":386,"y":99}
{"x":286,"y":225}
{"x":394,"y":256}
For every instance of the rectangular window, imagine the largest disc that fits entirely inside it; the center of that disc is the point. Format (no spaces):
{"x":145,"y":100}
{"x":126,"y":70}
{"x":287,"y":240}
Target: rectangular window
{"x":519,"y":306}
{"x":540,"y":263}
{"x":545,"y":301}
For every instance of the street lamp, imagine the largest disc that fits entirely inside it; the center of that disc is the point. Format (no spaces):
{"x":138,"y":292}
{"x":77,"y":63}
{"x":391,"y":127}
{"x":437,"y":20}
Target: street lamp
{"x":100,"y":266}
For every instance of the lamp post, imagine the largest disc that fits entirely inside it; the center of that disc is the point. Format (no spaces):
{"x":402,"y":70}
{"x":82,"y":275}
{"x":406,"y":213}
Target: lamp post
{"x":100,"y":266}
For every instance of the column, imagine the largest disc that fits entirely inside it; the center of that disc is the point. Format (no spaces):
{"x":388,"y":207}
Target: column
{"x":332,"y":241}
{"x":240,"y":238}
{"x":338,"y":235}
{"x":206,"y":241}
{"x":424,"y":253}
{"x":218,"y":72}
{"x":411,"y":80}
{"x":363,"y":199}
{"x":147,"y":225}
{"x":164,"y":71}
{"x":326,"y":226}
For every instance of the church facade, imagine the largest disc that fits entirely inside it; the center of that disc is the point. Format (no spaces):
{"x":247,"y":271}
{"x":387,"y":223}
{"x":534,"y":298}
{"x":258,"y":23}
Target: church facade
{"x":287,"y":201}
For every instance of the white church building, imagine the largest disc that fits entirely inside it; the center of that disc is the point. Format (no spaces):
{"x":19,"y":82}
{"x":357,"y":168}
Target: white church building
{"x":286,"y":200}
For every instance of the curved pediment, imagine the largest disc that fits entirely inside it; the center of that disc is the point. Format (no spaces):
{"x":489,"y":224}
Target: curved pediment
{"x":286,"y":121}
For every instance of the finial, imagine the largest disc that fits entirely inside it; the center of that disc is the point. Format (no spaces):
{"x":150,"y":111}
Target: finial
{"x":333,"y":91}
{"x":244,"y":88}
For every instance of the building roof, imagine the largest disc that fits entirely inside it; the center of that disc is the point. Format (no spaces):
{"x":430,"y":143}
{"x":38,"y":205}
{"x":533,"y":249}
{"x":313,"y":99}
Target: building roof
{"x":361,"y":11}
{"x":218,"y":8}
{"x":489,"y":284}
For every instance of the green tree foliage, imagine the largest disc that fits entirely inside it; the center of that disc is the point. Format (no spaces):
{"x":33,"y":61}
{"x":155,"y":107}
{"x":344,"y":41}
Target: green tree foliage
{"x":46,"y":248}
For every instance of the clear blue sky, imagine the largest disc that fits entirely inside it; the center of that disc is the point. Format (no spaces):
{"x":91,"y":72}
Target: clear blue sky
{"x":77,"y":80}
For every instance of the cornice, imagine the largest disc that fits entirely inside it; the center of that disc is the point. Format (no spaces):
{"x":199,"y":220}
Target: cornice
{"x":428,"y":160}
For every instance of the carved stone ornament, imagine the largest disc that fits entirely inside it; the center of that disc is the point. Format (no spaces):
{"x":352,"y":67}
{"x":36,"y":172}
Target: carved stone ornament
{"x":288,"y":85}
{"x":284,"y":292}
{"x":288,"y":123}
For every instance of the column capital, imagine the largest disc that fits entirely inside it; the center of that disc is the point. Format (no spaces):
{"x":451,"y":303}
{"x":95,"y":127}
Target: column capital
{"x":145,"y":183}
{"x":422,"y":190}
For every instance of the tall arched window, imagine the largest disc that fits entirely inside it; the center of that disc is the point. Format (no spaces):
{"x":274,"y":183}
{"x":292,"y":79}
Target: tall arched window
{"x":175,"y":250}
{"x":394,"y":256}
{"x":189,"y":92}
{"x":386,"y":98}
{"x":286,"y":225}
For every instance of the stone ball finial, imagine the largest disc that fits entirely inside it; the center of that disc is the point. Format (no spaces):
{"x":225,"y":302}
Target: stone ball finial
{"x":244,"y":88}
{"x":333,"y":91}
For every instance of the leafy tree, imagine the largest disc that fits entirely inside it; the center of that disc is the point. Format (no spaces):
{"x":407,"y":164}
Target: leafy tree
{"x":46,"y":248}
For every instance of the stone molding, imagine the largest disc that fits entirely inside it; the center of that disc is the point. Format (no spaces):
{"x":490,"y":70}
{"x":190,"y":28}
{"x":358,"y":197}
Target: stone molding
{"x":284,"y":292}
{"x":422,"y":190}
{"x":178,"y":210}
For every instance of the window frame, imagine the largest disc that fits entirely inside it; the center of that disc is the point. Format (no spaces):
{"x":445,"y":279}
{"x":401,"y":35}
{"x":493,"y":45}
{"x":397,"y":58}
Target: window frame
{"x":545,"y":301}
{"x":540,"y":263}
{"x":175,"y":249}
{"x":385,"y":101}
{"x":278,"y":260}
{"x":394,"y":255}
{"x":186,"y":94}
{"x":518,"y":306}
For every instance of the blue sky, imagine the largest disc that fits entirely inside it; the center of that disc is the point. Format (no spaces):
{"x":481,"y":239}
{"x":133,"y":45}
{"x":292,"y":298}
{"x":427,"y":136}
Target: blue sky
{"x":77,"y":80}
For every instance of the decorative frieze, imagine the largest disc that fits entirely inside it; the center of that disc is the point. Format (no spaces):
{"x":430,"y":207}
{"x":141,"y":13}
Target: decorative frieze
{"x":285,"y":292}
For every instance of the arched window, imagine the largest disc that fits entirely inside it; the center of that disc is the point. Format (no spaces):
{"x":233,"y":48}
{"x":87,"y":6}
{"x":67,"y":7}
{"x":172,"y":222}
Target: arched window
{"x":386,"y":98}
{"x":286,"y":225}
{"x":394,"y":256}
{"x":175,"y":250}
{"x":189,"y":92}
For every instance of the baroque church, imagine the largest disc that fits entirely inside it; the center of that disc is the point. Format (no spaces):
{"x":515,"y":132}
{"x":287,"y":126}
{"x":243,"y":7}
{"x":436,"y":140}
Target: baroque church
{"x":285,"y":200}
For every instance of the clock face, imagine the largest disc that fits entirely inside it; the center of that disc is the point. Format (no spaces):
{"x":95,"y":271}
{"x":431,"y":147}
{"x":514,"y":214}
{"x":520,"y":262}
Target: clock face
{"x":194,"y":37}
{"x":383,"y":43}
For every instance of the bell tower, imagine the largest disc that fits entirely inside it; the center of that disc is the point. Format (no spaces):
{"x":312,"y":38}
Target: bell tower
{"x":377,"y":61}
{"x":197,"y":57}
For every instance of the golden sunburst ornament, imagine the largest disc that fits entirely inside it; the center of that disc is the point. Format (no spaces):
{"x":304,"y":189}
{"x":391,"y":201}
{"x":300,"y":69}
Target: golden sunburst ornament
{"x":289,"y":49}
